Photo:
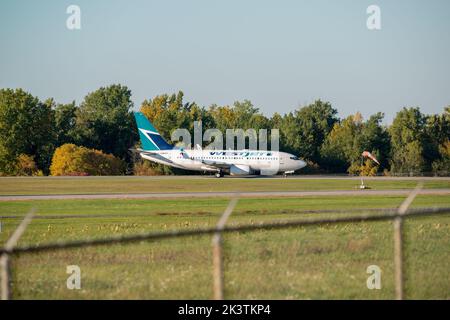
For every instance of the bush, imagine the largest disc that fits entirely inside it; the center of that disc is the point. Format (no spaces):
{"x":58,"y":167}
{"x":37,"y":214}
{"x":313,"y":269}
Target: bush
{"x":25,"y":166}
{"x":368,"y":169}
{"x":72,"y":160}
{"x":145,"y":168}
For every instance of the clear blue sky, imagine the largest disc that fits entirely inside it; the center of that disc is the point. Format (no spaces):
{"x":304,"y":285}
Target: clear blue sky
{"x":278,"y":54}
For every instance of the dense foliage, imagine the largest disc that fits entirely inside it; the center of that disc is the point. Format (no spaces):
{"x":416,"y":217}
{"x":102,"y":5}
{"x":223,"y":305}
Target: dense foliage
{"x":31,"y":131}
{"x":71,"y":160}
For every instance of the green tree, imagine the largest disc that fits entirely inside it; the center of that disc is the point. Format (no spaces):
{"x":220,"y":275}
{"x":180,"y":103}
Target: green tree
{"x":65,"y":123}
{"x":26,"y":127}
{"x":105,"y":121}
{"x":169,"y":112}
{"x":441,"y":166}
{"x":375,"y":138}
{"x":437,"y":133}
{"x":408,"y":138}
{"x":241,"y":115}
{"x":437,"y":146}
{"x":344,"y":145}
{"x":309,"y":128}
{"x":289,"y":134}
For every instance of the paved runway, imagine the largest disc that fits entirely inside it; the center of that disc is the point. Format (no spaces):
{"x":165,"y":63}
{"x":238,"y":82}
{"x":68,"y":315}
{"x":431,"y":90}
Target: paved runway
{"x":188,"y":177}
{"x":254,"y":194}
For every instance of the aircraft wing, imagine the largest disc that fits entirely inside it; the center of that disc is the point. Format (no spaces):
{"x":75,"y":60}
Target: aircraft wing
{"x":216,"y":165}
{"x":159,"y":157}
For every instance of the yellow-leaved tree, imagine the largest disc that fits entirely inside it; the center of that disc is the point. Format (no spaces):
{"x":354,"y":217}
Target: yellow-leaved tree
{"x":72,"y":160}
{"x":26,"y":166}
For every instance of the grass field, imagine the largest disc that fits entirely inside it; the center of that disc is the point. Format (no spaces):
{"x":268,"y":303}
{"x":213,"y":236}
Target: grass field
{"x":86,"y":185}
{"x":317,"y":262}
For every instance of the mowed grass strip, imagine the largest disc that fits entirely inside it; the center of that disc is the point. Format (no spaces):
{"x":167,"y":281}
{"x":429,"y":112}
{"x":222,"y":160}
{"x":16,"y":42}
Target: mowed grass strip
{"x":314,"y":262}
{"x":78,"y":219}
{"x":117,"y":185}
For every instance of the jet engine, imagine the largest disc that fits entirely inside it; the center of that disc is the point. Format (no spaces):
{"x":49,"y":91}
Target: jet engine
{"x":238,"y":169}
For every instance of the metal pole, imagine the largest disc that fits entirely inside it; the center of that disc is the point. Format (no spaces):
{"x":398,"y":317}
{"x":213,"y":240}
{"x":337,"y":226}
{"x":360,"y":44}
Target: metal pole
{"x":5,"y":275}
{"x":217,"y":252}
{"x":5,"y":264}
{"x":362,"y":175}
{"x":217,"y":267}
{"x":398,"y":258}
{"x":398,"y":243}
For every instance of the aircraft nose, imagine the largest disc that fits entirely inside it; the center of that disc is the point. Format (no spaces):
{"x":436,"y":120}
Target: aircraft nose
{"x":301,"y":164}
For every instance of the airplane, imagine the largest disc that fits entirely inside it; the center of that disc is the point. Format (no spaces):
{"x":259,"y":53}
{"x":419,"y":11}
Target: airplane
{"x":232,"y":162}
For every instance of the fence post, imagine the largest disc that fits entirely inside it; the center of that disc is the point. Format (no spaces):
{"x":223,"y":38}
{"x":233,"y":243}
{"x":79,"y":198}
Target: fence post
{"x":5,"y":275}
{"x":217,"y":251}
{"x":5,"y":263}
{"x":398,"y":243}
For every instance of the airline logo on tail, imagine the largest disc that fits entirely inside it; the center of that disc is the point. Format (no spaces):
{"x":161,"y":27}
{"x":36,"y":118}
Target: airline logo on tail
{"x":151,"y":140}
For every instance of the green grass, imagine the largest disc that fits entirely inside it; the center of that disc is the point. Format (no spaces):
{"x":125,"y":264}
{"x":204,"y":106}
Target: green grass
{"x":83,"y":185}
{"x":317,"y":262}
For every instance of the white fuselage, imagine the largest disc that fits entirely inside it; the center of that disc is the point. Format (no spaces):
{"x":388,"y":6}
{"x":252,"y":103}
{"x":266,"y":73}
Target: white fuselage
{"x":235,"y":162}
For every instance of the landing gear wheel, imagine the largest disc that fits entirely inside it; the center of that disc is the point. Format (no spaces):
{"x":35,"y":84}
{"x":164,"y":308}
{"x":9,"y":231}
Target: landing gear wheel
{"x":219,"y":174}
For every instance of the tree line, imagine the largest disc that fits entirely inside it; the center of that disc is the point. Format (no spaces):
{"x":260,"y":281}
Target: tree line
{"x":94,"y":137}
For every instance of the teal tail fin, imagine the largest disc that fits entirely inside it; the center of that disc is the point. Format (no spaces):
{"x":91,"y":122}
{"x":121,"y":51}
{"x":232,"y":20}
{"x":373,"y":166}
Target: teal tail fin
{"x":150,"y":138}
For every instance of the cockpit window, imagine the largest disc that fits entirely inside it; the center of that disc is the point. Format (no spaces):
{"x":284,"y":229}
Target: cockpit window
{"x":295,"y":158}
